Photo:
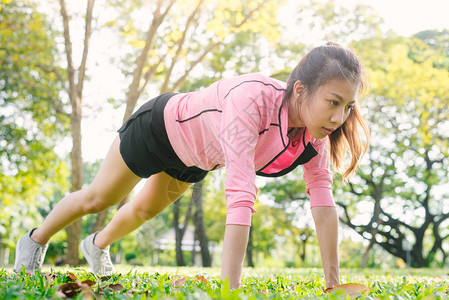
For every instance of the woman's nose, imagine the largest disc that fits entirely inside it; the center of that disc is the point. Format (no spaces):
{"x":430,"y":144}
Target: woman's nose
{"x":338,"y":117}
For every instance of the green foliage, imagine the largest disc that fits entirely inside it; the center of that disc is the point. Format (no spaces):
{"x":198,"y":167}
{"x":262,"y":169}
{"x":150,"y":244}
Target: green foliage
{"x":188,"y":283}
{"x":30,"y":86}
{"x":439,"y":42}
{"x":408,"y":158}
{"x":340,"y":23}
{"x":221,"y":38}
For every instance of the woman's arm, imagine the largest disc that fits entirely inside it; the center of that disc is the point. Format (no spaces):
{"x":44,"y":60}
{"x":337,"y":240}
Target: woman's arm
{"x":326,"y":223}
{"x":234,"y":247}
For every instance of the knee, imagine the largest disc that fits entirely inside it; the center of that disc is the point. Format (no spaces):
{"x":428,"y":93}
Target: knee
{"x":145,"y":214}
{"x":95,"y":204}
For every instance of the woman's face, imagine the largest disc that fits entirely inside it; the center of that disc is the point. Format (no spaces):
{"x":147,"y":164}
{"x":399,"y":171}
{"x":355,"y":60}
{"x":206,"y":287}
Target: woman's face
{"x":326,"y":110}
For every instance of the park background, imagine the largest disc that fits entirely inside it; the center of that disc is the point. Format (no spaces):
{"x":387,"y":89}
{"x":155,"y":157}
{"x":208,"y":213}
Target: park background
{"x":64,"y":96}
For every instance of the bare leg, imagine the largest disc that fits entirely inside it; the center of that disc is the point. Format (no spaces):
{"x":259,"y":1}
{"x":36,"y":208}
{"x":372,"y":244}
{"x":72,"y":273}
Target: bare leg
{"x":158,"y":192}
{"x":112,"y":183}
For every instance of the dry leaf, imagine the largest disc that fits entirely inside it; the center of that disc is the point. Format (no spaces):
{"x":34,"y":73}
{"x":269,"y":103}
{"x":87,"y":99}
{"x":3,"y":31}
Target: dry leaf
{"x":178,"y":281}
{"x":132,"y":292}
{"x":71,"y":276}
{"x":202,"y":279}
{"x":310,"y":281}
{"x":116,"y":287}
{"x":353,"y":290}
{"x":49,"y":277}
{"x":70,"y":289}
{"x":89,"y":282}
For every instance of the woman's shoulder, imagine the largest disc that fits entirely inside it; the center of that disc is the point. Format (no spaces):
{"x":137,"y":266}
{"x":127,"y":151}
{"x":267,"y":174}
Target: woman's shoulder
{"x":259,"y":78}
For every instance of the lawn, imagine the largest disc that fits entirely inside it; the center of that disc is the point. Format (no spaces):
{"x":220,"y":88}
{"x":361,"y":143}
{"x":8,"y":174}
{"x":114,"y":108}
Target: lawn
{"x":201,"y":283}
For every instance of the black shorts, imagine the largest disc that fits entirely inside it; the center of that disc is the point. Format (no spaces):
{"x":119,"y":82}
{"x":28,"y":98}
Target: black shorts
{"x":145,"y":147}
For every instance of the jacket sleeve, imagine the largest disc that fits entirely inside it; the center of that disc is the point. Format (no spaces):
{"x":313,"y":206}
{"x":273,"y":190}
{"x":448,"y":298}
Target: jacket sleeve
{"x":239,"y":135}
{"x":318,"y":177}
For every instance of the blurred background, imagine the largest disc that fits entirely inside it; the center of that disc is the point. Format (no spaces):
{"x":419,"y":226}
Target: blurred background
{"x":72,"y":71}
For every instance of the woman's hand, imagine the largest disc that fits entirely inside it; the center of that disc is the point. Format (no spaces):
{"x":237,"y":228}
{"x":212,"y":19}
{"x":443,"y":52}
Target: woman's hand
{"x":326,"y":223}
{"x":234,"y":248}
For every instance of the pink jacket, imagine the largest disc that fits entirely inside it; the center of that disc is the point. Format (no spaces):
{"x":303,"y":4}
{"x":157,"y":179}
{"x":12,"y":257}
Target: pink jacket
{"x":241,"y":123}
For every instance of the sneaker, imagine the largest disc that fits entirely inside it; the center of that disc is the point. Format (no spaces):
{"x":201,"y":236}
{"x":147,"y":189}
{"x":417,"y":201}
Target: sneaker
{"x":29,"y":254}
{"x":98,"y":259}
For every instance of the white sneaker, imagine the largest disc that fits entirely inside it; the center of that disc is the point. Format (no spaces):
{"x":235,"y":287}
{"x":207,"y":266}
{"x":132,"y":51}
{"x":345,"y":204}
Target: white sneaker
{"x":98,"y":259}
{"x":29,"y":254}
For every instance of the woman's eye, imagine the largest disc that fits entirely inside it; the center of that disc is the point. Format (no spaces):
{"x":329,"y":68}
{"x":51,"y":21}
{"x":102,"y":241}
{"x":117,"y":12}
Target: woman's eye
{"x":334,"y":103}
{"x":350,"y":107}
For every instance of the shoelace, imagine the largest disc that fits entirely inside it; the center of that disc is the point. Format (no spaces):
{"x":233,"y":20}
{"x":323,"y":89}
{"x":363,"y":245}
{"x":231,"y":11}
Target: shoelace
{"x":38,"y":258}
{"x":106,"y":264}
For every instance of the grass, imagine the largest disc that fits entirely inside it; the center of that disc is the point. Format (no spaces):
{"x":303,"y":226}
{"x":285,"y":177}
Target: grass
{"x":201,"y":283}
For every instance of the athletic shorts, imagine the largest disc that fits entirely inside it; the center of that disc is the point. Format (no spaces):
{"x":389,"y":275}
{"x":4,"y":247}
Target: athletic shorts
{"x":145,"y":147}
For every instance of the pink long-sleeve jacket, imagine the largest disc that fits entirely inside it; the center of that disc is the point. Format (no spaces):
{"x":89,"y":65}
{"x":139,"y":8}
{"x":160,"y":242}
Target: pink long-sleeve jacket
{"x":241,"y":124}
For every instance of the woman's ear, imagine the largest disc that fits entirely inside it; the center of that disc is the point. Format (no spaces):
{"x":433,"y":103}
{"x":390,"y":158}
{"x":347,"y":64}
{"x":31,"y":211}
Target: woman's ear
{"x":298,"y":89}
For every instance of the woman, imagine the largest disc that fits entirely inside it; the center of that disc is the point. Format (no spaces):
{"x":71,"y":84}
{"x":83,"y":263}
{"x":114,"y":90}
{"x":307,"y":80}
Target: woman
{"x":250,"y":124}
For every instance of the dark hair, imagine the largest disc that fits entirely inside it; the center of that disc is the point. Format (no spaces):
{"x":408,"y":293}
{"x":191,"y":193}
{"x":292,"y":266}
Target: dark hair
{"x":320,"y":65}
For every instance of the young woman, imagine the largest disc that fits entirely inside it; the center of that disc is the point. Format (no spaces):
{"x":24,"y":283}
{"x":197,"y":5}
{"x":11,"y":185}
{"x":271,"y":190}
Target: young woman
{"x":250,"y":124}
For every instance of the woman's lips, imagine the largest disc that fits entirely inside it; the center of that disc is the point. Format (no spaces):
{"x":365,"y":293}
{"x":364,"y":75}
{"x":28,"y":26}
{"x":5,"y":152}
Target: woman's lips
{"x":327,"y":131}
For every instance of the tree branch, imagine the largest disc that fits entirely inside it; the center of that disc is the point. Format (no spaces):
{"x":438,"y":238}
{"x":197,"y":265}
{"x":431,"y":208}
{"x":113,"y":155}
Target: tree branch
{"x":149,"y":74}
{"x":212,"y":46}
{"x":68,"y":50}
{"x":133,"y":91}
{"x":179,"y":45}
{"x":87,"y":35}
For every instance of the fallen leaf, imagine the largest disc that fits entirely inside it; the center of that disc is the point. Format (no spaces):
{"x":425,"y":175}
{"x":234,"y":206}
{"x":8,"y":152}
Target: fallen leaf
{"x":132,"y":292}
{"x":49,"y":277}
{"x":353,"y":290}
{"x":178,"y":281}
{"x":70,"y":289}
{"x":71,"y":276}
{"x":89,"y":282}
{"x":310,"y":281}
{"x":116,"y":287}
{"x":202,"y":279}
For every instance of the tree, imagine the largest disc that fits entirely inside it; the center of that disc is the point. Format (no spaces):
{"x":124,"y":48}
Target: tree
{"x":408,"y":157}
{"x":330,"y":21}
{"x":180,"y":230}
{"x":288,"y":196}
{"x":31,"y":117}
{"x":75,"y":90}
{"x":181,"y":35}
{"x":439,"y":42}
{"x":200,"y":231}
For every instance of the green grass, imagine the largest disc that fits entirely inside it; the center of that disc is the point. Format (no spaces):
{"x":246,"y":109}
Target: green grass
{"x":201,"y":283}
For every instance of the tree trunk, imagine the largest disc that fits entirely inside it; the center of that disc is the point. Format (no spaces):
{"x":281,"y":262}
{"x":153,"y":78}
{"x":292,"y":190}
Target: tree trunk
{"x":179,"y":234}
{"x":198,"y":219}
{"x":75,"y":95}
{"x":100,"y":221}
{"x":304,"y":246}
{"x":193,"y":250}
{"x":133,"y":90}
{"x":74,"y":230}
{"x":368,"y":250}
{"x":101,"y":217}
{"x":249,"y":249}
{"x":179,"y":231}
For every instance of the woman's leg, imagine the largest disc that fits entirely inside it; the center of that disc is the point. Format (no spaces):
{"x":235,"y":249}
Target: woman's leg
{"x":158,"y":192}
{"x":112,"y":183}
